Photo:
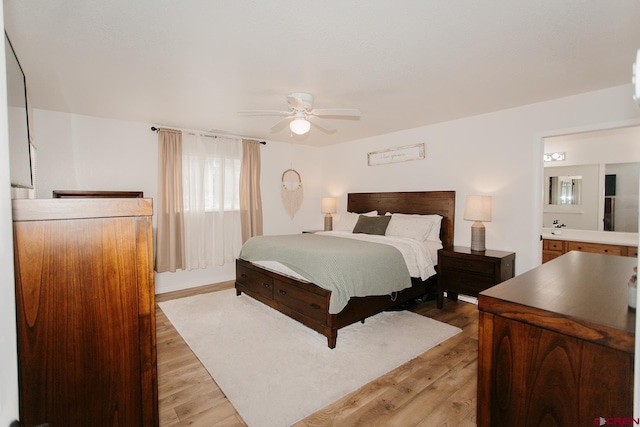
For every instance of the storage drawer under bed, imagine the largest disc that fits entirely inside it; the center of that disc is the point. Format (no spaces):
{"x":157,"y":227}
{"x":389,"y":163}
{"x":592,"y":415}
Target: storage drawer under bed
{"x":254,"y":281}
{"x":310,"y":304}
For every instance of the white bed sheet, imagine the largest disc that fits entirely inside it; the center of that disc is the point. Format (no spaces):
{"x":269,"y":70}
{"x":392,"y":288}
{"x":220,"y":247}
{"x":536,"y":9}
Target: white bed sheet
{"x":420,"y":257}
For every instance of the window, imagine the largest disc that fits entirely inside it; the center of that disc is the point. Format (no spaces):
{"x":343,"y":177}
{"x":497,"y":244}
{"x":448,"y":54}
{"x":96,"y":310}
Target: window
{"x":211,"y":192}
{"x":222,"y":194}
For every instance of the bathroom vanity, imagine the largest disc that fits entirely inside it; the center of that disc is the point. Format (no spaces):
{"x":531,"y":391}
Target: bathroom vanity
{"x":556,"y":242}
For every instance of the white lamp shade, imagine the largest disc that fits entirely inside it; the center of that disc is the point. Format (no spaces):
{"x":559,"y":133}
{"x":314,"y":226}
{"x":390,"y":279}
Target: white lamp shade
{"x":299,"y":126}
{"x":478,"y":208}
{"x":328,"y":205}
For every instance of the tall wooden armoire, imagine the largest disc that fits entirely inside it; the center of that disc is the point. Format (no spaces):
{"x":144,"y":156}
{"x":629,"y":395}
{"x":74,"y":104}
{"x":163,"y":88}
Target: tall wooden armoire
{"x":85,"y":312}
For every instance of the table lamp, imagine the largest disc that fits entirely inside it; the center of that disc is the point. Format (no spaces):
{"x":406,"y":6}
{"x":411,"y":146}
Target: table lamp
{"x":478,"y":209}
{"x":328,"y":207}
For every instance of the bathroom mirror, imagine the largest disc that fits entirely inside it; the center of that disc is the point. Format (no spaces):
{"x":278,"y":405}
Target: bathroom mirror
{"x":596,"y":186}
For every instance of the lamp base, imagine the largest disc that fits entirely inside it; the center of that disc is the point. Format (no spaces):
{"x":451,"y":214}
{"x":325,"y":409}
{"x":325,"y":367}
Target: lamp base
{"x":477,"y":237}
{"x":328,"y":222}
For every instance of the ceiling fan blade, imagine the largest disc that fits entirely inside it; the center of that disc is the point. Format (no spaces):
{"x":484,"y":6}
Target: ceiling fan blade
{"x":322,"y":124}
{"x":352,"y":112}
{"x":263,"y":113}
{"x":279,"y":125}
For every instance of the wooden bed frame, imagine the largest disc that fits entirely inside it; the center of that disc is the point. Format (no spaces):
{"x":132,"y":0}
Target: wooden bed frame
{"x":309,"y":304}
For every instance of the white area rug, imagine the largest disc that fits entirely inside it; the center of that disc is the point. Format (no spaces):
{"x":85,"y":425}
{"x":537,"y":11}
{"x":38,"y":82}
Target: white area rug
{"x":275,"y":371}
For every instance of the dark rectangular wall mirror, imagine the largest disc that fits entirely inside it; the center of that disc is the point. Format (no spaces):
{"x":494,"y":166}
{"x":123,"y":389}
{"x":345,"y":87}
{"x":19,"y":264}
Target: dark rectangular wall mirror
{"x":18,"y":120}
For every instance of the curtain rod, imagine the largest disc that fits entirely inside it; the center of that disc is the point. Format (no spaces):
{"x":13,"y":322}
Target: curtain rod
{"x":155,"y":129}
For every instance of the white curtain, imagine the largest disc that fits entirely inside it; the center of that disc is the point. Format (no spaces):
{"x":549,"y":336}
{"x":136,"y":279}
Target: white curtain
{"x":211,"y":174}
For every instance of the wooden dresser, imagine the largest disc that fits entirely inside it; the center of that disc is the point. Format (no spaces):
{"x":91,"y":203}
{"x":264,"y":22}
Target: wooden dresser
{"x":85,"y":312}
{"x":556,"y":344}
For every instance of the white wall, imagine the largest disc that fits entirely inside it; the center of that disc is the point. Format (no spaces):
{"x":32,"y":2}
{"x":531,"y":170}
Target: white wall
{"x":8,"y":347}
{"x":77,"y":152}
{"x":277,"y":157}
{"x":497,"y":154}
{"x":88,"y":153}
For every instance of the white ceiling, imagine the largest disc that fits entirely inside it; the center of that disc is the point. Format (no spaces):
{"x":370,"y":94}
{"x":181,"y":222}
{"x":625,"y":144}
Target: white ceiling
{"x":407,"y":63}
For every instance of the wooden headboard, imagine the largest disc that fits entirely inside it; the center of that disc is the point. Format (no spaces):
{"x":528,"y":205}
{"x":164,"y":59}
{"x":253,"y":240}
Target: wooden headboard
{"x":410,"y":202}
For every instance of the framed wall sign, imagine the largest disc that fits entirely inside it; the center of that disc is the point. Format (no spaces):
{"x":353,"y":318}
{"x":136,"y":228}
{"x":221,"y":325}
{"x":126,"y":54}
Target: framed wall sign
{"x":394,"y":155}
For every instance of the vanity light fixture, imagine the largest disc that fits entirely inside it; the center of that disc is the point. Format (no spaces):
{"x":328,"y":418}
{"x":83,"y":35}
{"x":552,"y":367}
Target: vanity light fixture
{"x":554,"y":157}
{"x":478,"y":209}
{"x":328,"y":207}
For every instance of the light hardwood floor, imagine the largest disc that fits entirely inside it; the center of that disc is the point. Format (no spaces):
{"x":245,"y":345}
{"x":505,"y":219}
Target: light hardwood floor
{"x":438,"y":388}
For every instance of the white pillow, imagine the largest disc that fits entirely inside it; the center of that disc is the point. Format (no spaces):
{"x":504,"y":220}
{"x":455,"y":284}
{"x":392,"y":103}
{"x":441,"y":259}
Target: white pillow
{"x":417,"y":227}
{"x":348,"y":220}
{"x":411,"y":226}
{"x":434,"y":234}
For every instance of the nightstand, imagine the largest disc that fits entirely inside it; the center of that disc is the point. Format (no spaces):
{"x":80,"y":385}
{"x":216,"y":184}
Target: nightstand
{"x":462,"y":271}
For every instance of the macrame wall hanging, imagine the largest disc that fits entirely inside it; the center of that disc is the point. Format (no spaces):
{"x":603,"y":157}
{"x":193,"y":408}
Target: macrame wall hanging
{"x":291,"y":190}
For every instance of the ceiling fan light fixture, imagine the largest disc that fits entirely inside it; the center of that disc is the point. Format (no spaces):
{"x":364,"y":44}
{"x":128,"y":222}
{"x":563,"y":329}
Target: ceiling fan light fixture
{"x":299,"y":126}
{"x":300,"y":110}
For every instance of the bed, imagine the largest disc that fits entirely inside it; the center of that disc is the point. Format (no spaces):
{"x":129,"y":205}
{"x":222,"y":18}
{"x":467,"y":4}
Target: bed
{"x":309,"y":303}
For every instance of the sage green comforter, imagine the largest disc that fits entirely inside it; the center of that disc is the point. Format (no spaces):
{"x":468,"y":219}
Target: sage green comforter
{"x":346,"y":267}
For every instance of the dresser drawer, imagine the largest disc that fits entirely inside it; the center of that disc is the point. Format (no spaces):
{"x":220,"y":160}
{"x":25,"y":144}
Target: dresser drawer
{"x":594,"y":248}
{"x":254,"y":282}
{"x":477,"y":266}
{"x":467,"y":283}
{"x":553,"y":245}
{"x":300,"y":301}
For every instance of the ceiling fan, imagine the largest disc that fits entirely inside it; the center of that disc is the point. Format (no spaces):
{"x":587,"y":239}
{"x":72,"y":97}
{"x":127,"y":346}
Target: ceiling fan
{"x":301,"y":114}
